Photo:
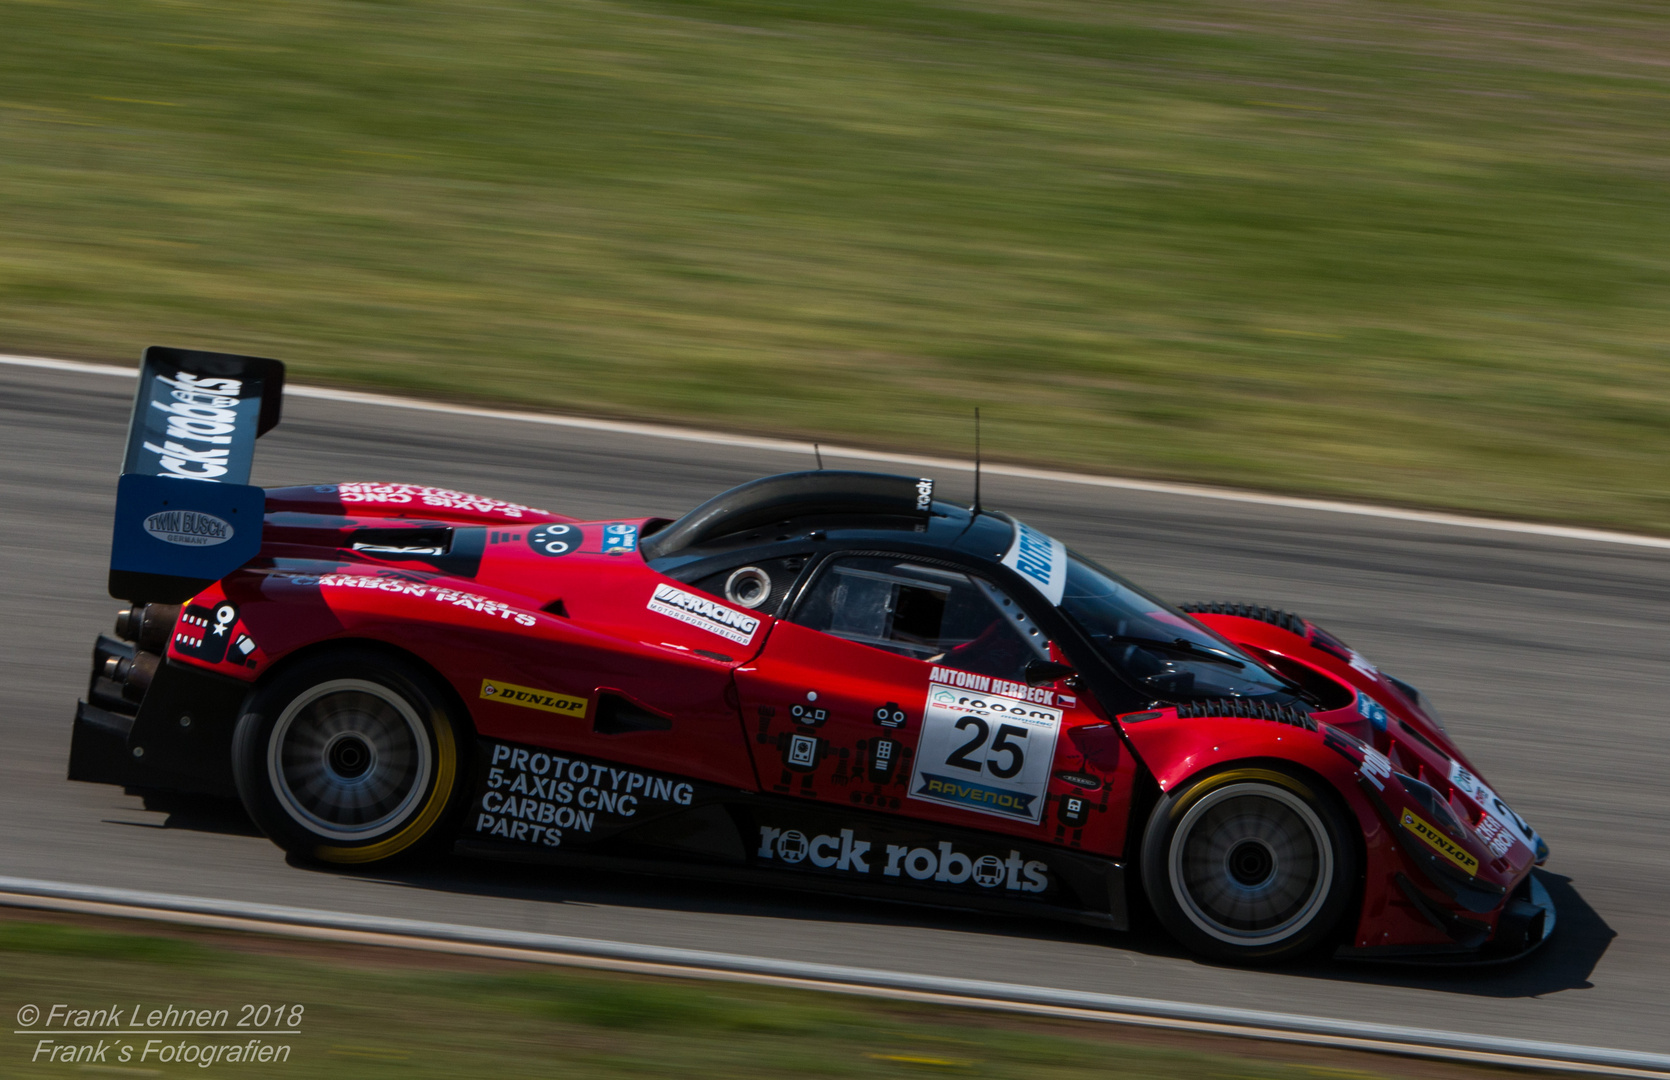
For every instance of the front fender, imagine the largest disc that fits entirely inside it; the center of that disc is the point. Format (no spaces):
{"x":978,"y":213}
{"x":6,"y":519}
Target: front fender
{"x":1177,"y":749}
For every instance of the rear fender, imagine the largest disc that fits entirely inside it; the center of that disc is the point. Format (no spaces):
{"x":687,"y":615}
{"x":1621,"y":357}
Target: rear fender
{"x":525,"y":675}
{"x":454,"y":627}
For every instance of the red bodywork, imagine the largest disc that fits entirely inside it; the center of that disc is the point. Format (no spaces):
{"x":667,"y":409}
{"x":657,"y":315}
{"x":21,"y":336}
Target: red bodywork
{"x":574,"y":625}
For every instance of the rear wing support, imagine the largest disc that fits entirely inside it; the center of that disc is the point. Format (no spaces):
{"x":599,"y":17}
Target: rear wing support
{"x":186,"y":514}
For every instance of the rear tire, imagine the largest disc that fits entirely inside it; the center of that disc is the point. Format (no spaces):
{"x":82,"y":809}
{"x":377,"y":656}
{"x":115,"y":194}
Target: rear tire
{"x":351,"y":757}
{"x":1251,"y":865}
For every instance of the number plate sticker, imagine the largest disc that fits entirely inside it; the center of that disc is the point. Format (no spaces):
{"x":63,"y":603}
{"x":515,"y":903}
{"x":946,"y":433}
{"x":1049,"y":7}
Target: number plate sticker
{"x":985,"y":752}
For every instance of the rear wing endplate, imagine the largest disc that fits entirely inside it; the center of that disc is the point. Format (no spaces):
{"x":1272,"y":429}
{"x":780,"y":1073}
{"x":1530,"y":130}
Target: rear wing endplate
{"x":186,"y":514}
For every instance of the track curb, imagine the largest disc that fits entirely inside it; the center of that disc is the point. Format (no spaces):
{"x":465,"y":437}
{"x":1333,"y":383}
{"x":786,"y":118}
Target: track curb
{"x":691,"y":963}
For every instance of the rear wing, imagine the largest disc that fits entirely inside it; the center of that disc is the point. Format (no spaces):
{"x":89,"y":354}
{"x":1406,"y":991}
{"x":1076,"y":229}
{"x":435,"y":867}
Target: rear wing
{"x":186,"y":514}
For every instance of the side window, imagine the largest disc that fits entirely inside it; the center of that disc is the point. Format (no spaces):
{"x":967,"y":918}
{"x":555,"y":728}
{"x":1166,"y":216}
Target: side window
{"x":929,"y":613}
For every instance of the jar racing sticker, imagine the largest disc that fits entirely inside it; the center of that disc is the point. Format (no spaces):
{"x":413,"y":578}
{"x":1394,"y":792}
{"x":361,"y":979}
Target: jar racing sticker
{"x":701,"y":612}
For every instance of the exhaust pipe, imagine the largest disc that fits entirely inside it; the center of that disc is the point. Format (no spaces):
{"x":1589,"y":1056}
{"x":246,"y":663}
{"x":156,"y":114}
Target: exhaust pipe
{"x":132,"y":673}
{"x":147,"y":625}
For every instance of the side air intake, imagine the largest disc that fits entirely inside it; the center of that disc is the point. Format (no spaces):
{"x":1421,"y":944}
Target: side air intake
{"x":1288,"y":621}
{"x":1246,"y":709}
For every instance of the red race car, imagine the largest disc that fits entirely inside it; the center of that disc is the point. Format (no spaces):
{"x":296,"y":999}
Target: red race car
{"x":829,"y":680}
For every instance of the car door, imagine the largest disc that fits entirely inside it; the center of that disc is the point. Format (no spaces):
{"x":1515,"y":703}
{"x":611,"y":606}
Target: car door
{"x":897,"y":684}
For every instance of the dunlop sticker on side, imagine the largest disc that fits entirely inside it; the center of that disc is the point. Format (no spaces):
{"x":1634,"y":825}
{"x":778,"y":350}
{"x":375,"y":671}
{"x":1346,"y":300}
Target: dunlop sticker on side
{"x":529,"y":698}
{"x":1439,"y":842}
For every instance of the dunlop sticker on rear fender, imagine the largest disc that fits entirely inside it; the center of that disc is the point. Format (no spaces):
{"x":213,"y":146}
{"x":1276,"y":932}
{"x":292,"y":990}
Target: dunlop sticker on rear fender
{"x":1439,"y":842}
{"x":529,"y":698}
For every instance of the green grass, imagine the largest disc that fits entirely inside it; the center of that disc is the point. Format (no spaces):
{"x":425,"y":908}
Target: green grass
{"x":1415,"y":251}
{"x":403,"y":1019}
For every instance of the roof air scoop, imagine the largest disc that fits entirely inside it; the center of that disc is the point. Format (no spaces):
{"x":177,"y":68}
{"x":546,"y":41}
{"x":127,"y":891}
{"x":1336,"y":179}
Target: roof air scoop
{"x":788,"y":495}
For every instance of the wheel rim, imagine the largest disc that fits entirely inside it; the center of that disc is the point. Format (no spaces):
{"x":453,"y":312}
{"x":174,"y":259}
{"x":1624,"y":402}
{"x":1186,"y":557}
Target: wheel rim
{"x":349,"y":759}
{"x":1251,"y":864}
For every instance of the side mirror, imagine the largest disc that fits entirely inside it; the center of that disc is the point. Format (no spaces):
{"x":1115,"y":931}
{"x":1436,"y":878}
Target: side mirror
{"x":1045,"y":672}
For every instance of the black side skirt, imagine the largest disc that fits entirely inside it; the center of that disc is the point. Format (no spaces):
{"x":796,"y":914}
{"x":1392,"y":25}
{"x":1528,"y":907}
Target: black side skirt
{"x":535,"y":805}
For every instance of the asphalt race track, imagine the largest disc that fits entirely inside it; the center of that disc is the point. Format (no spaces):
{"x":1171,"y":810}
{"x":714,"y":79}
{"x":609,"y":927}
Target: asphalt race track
{"x":1548,"y":656}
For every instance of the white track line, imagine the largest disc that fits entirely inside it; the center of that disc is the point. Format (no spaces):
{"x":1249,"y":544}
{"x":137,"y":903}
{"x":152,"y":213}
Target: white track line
{"x":689,"y":963}
{"x":804,"y":450}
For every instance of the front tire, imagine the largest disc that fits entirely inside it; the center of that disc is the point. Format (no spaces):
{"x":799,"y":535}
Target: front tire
{"x":1251,"y":865}
{"x":350,"y":757}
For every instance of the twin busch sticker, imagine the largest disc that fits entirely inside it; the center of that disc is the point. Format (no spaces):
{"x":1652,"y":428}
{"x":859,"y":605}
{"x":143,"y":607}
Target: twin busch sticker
{"x":709,"y":615}
{"x":415,"y":495}
{"x":985,"y":752}
{"x":1500,"y":826}
{"x":847,"y":851}
{"x":1039,"y":558}
{"x":188,"y":528}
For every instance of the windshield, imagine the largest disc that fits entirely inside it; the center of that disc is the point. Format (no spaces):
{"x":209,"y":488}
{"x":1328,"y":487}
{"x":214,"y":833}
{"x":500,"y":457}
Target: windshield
{"x":1156,"y":648}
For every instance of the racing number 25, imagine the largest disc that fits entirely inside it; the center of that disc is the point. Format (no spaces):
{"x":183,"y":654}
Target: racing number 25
{"x":1003,"y":744}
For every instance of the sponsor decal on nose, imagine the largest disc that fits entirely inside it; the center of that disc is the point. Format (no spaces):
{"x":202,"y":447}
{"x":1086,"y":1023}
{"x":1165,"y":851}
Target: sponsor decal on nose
{"x":1440,"y":843}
